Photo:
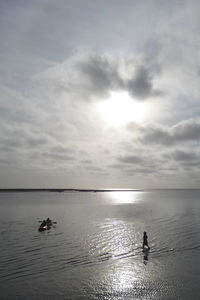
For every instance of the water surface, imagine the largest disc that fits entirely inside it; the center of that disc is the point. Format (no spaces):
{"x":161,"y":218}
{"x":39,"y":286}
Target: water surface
{"x":94,"y":250}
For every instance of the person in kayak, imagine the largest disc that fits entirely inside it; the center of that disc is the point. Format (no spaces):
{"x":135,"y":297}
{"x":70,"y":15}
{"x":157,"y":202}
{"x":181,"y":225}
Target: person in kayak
{"x":48,"y":222}
{"x":44,"y":223}
{"x":145,"y":241}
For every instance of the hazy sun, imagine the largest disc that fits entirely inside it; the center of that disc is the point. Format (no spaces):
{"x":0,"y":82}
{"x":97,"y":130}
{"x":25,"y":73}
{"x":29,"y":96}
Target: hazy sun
{"x":120,"y":109}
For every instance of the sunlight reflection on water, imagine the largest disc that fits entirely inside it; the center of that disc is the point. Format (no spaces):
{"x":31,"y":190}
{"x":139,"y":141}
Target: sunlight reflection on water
{"x":125,"y":197}
{"x":117,"y":245}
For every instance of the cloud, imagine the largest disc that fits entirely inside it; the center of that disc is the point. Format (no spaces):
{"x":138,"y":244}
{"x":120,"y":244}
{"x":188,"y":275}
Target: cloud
{"x":131,"y":159}
{"x":141,"y":85}
{"x":137,"y":163}
{"x":101,"y":72}
{"x":159,"y":150}
{"x":184,"y":131}
{"x":155,"y":135}
{"x":187,"y":130}
{"x":185,"y":156}
{"x":90,"y":76}
{"x":182,"y":159}
{"x":105,"y":74}
{"x":25,"y":146}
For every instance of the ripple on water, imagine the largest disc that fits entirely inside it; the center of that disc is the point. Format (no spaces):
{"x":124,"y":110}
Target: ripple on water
{"x":96,"y":251}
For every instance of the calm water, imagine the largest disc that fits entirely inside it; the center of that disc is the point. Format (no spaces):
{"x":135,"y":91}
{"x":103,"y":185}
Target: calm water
{"x":94,"y":250}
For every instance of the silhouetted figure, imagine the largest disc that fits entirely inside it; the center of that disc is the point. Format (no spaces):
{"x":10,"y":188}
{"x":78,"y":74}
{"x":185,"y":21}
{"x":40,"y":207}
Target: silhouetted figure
{"x":145,"y":242}
{"x":48,"y":221}
{"x":43,"y":223}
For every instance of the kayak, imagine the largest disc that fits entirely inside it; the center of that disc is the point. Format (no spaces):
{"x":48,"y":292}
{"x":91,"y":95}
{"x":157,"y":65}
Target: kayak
{"x":45,"y":227}
{"x":42,"y":228}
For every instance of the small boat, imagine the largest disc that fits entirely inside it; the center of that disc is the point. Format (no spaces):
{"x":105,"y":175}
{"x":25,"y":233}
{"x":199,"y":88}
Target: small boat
{"x":43,"y":228}
{"x":45,"y":225}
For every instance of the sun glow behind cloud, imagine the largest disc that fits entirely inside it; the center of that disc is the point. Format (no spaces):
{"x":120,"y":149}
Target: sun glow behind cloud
{"x":120,"y":109}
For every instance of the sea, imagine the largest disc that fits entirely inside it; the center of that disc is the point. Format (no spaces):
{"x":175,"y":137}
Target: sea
{"x":94,"y":248}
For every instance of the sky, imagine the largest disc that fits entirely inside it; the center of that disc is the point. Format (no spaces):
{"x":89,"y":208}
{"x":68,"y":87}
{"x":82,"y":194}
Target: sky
{"x":99,"y":94}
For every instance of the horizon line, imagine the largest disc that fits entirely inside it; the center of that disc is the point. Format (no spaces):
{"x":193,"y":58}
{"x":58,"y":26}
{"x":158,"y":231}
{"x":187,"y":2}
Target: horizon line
{"x":88,"y":189}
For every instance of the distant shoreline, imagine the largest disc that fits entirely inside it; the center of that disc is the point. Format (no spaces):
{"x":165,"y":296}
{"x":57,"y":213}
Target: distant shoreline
{"x":69,"y":190}
{"x":59,"y":190}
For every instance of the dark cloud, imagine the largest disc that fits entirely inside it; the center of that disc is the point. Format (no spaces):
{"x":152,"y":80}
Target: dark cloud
{"x":36,"y":141}
{"x":141,"y":85}
{"x":25,"y":147}
{"x":192,"y":165}
{"x":95,"y":169}
{"x":24,"y":138}
{"x":61,"y":149}
{"x":130,"y":159}
{"x":86,"y":161}
{"x":6,"y":162}
{"x":180,"y":155}
{"x":137,"y":164}
{"x":8,"y":144}
{"x":126,"y":167}
{"x":57,"y":156}
{"x":100,"y":74}
{"x":158,"y":135}
{"x":185,"y":131}
{"x":138,"y":171}
{"x":185,"y":160}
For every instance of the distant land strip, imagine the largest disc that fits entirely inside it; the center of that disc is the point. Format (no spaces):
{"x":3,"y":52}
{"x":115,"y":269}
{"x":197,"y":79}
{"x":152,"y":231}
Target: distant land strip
{"x":68,"y":190}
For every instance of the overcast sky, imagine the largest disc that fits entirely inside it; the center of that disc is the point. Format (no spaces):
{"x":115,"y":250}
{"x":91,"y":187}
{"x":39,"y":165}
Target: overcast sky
{"x":99,"y":94}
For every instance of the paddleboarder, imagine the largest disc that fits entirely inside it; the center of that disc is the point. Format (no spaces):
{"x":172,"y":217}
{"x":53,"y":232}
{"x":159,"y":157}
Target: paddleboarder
{"x":145,"y":241}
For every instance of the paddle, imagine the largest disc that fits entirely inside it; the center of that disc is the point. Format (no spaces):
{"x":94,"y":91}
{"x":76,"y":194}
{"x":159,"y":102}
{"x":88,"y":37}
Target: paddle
{"x":51,"y":222}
